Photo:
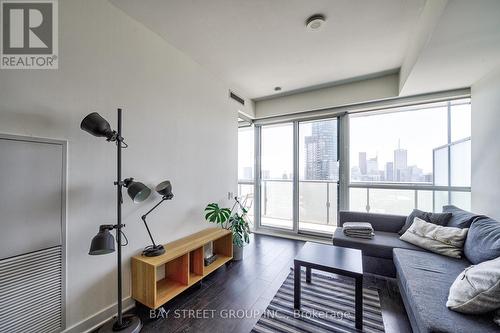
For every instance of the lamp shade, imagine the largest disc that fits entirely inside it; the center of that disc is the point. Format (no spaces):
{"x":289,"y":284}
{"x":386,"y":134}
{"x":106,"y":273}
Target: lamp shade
{"x":102,"y":243}
{"x":165,"y":189}
{"x":138,"y":192}
{"x":97,"y":126}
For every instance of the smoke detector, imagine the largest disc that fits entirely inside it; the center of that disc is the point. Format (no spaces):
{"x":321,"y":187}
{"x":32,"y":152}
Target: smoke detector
{"x":315,"y":22}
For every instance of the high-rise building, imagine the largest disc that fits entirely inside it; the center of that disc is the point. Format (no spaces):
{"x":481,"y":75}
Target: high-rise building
{"x":400,"y":163}
{"x":362,"y":162}
{"x":355,"y":173}
{"x":416,"y":174}
{"x":389,"y":171}
{"x":372,"y":166}
{"x":321,"y":151}
{"x":381,"y":175}
{"x":428,"y":178}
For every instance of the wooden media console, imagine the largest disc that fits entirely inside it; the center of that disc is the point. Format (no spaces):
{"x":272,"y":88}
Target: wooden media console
{"x":156,"y":280}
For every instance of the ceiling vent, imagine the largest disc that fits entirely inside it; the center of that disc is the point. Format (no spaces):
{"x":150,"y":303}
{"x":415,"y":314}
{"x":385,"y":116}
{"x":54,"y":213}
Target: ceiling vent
{"x":236,"y":98}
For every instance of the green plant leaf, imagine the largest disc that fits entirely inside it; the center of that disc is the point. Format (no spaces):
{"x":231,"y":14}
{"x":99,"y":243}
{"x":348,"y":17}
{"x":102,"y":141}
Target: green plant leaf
{"x":215,"y":214}
{"x":238,"y":224}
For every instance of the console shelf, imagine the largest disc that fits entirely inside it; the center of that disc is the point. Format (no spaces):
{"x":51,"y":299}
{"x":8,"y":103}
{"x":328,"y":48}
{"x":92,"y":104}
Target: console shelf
{"x":156,"y":280}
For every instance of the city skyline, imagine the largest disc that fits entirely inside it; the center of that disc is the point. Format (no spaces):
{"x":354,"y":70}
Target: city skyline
{"x":319,"y":161}
{"x":396,"y":170}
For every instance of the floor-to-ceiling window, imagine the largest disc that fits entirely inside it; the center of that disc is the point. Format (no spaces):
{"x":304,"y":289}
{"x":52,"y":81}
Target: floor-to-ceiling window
{"x":388,"y":160}
{"x":413,"y":157}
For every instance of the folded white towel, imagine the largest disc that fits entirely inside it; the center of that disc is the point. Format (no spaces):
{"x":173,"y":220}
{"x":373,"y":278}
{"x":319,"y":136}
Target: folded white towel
{"x":358,"y":230}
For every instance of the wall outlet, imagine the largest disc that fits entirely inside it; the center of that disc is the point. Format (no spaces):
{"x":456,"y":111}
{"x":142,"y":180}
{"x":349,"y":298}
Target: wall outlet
{"x":230,"y":195}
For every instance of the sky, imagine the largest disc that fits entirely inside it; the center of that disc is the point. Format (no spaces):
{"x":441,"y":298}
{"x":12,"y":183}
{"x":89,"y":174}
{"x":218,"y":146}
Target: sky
{"x":277,"y":150}
{"x":245,"y":149}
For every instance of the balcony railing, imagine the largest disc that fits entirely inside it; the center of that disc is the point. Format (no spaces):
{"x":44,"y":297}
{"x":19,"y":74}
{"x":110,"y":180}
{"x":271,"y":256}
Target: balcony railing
{"x":318,"y":201}
{"x":403,"y":198}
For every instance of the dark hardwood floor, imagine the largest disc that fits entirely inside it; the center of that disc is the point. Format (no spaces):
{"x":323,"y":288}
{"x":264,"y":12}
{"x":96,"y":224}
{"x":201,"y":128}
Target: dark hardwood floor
{"x":247,"y":287}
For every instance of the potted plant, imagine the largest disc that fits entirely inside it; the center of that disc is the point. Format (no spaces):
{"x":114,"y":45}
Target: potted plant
{"x":233,"y":219}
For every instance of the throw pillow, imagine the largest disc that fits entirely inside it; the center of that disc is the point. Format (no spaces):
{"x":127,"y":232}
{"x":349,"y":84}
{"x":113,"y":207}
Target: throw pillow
{"x":447,"y":241}
{"x":436,"y":218}
{"x":483,"y":241}
{"x":459,"y":217}
{"x":477,"y":289}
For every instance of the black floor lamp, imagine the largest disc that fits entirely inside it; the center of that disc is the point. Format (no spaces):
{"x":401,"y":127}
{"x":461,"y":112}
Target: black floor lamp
{"x":104,"y":242}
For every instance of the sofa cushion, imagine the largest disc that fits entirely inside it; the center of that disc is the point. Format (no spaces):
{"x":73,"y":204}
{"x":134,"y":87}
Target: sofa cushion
{"x":483,"y":241}
{"x":425,"y":279}
{"x":460,"y":218}
{"x":380,"y":245}
{"x":447,"y":241}
{"x":435,"y":218}
{"x":476,"y":289}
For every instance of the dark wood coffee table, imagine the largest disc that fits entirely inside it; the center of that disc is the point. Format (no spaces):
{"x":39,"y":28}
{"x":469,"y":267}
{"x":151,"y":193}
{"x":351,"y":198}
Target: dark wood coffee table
{"x":332,"y":259}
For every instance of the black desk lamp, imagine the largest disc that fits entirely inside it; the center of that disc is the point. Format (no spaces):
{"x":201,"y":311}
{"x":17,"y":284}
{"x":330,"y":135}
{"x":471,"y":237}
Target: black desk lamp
{"x":165,"y":189}
{"x":103,"y":242}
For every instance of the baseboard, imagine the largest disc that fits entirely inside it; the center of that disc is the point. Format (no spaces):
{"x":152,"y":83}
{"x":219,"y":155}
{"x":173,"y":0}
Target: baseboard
{"x":92,"y":322}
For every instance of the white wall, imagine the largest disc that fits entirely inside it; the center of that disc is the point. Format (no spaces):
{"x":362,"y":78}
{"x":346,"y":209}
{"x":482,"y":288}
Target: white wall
{"x":342,"y":94}
{"x":177,"y":120}
{"x":486,"y":145}
{"x":248,"y":109}
{"x":422,"y":32}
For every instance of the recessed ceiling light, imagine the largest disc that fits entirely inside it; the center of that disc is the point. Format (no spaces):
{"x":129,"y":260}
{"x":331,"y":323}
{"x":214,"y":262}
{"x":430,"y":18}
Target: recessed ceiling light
{"x":277,"y":88}
{"x":315,"y":22}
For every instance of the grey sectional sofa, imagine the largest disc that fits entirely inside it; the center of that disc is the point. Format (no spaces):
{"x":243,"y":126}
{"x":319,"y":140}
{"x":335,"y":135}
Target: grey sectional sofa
{"x":424,"y":278}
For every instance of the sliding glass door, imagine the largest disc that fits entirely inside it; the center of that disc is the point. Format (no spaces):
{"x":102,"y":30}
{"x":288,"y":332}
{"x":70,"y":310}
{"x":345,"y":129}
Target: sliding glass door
{"x":276,"y":180}
{"x":299,"y":173}
{"x":318,"y":175}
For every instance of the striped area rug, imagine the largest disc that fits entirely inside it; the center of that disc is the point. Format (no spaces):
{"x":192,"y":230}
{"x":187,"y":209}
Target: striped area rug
{"x":327,"y":305}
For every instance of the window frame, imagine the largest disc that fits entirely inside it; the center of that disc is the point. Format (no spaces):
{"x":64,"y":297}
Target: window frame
{"x":296,"y":177}
{"x":419,"y":186}
{"x":343,"y":113}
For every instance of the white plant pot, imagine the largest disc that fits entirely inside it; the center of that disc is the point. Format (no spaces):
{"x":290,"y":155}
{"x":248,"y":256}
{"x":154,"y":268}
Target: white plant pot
{"x":237,"y":253}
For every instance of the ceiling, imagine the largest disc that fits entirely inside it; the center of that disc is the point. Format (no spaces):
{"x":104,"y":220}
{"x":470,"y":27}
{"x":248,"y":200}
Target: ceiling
{"x":462,"y":48}
{"x":259,"y":44}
